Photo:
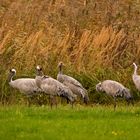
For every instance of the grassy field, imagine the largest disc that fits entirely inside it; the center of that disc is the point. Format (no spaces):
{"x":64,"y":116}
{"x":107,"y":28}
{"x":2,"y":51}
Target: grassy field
{"x":65,"y":123}
{"x":96,"y":40}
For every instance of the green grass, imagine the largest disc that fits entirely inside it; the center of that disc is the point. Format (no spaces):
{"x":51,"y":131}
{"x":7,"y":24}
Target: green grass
{"x":65,"y":123}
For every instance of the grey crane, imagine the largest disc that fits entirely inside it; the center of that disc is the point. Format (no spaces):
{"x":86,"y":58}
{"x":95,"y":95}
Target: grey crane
{"x":53,"y":87}
{"x":75,"y":86}
{"x":114,"y":89}
{"x":27,"y":86}
{"x":136,"y":77}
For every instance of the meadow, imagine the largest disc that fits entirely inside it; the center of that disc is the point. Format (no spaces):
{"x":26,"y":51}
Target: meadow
{"x":65,"y":123}
{"x":96,"y":40}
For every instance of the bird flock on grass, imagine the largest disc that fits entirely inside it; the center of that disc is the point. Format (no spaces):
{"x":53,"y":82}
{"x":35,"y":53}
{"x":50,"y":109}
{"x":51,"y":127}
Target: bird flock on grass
{"x":69,"y":88}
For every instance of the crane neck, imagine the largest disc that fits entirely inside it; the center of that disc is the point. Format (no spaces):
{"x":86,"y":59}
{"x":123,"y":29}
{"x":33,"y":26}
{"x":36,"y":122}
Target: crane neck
{"x":39,"y":73}
{"x":60,"y":69}
{"x":38,"y":78}
{"x":135,"y":70}
{"x":10,"y":77}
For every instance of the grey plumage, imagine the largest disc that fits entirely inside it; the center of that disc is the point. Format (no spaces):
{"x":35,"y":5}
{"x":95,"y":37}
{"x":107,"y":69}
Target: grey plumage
{"x":27,"y":86}
{"x":114,"y":89}
{"x":75,"y":86}
{"x":136,"y":77}
{"x":53,"y":87}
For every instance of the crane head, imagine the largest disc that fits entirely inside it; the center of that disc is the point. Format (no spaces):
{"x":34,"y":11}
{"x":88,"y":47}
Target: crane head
{"x":39,"y":71}
{"x":86,"y":99}
{"x":99,"y":87}
{"x":38,"y":68}
{"x":128,"y":96}
{"x":60,"y":64}
{"x":13,"y":71}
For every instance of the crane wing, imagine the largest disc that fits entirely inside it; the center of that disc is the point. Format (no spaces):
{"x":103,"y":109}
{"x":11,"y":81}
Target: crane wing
{"x":73,"y":81}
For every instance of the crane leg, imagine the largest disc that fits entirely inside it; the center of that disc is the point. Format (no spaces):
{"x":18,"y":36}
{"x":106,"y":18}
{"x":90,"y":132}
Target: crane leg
{"x":132,"y":102}
{"x":28,"y":101}
{"x":72,"y":104}
{"x":67,"y":101}
{"x":62,"y":100}
{"x":128,"y":102}
{"x":114,"y":103}
{"x":53,"y":101}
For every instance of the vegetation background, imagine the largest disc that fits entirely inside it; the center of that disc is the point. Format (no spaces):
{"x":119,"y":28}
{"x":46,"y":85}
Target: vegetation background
{"x":96,"y":39}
